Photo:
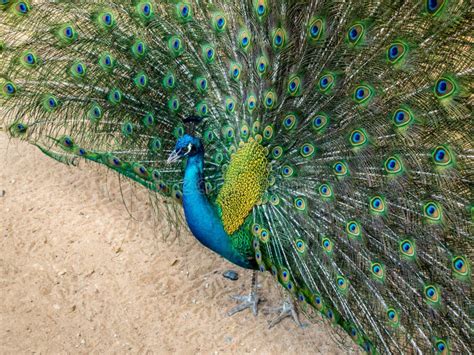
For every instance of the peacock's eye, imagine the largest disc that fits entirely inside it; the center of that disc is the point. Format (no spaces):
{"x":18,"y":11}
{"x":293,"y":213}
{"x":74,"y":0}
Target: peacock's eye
{"x":146,"y":9}
{"x":185,"y":11}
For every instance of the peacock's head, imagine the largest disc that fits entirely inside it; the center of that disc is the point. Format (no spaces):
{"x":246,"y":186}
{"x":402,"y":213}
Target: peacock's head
{"x":186,"y":146}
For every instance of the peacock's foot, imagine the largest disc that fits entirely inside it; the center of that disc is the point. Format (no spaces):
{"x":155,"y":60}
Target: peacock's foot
{"x":249,"y":301}
{"x":287,"y":309}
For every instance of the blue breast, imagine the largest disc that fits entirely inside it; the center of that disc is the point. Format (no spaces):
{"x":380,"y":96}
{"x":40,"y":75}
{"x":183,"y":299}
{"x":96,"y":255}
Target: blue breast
{"x":202,"y":217}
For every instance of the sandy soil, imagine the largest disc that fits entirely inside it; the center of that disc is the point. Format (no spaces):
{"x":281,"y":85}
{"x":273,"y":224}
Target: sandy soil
{"x":78,"y":274}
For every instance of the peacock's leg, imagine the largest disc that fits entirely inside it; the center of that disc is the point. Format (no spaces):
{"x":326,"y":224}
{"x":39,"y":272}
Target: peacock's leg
{"x":287,"y":309}
{"x":248,"y":301}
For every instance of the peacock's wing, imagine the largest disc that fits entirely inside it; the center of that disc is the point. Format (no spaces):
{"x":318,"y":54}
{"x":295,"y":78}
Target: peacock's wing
{"x":361,"y":106}
{"x":245,"y":182}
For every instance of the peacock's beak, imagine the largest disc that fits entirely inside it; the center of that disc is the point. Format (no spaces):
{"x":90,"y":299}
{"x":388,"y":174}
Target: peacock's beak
{"x":174,"y":156}
{"x":178,"y":154}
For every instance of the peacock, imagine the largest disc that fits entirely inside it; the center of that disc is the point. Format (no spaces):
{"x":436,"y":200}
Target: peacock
{"x":328,"y":142}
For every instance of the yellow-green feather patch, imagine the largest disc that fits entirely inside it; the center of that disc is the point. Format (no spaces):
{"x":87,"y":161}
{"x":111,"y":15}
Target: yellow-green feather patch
{"x":244,"y":184}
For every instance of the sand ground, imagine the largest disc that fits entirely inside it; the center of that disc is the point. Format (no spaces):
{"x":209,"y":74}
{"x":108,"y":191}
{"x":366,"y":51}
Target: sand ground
{"x":78,"y":274}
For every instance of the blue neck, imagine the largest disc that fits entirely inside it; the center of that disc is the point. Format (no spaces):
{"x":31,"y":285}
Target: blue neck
{"x":201,"y":216}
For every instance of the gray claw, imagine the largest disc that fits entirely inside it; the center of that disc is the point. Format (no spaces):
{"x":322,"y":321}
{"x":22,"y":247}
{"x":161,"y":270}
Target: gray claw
{"x":249,"y":301}
{"x":287,"y":309}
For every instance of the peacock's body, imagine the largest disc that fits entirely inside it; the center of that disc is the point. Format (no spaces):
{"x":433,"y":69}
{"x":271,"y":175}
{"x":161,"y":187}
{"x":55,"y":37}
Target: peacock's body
{"x":330,"y":142}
